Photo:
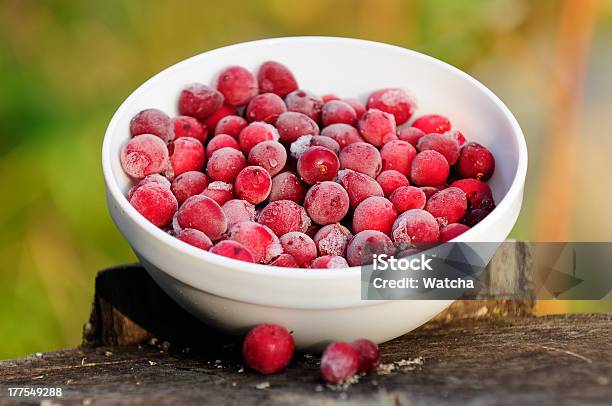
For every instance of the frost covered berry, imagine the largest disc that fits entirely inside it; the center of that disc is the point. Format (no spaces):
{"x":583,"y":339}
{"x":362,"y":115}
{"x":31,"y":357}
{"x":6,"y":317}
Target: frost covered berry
{"x":447,"y":206}
{"x":318,"y":164}
{"x":253,"y":184}
{"x":337,"y":111}
{"x":237,"y":85}
{"x":358,"y":186}
{"x":369,"y":355}
{"x":432,"y":123}
{"x":332,"y":239}
{"x":329,"y":262}
{"x":234,"y":250}
{"x":287,"y":186}
{"x":340,"y":361}
{"x":265,"y":107}
{"x":186,"y":154}
{"x":391,"y":180}
{"x":397,"y":155}
{"x":415,"y":226}
{"x":306,"y":103}
{"x":270,"y":155}
{"x":185,"y":126}
{"x":260,"y":240}
{"x":374,"y":213}
{"x":343,"y":134}
{"x":284,"y":216}
{"x":219,"y":191}
{"x":452,"y":231}
{"x":326,"y":203}
{"x":475,"y":161}
{"x":361,"y":157}
{"x":223,"y":111}
{"x":195,"y":237}
{"x":300,"y":246}
{"x":367,"y":243}
{"x":155,"y":202}
{"x":152,"y":121}
{"x":292,"y":125}
{"x":199,"y":101}
{"x":447,"y":146}
{"x":189,"y":184}
{"x":268,"y":348}
{"x":144,"y":155}
{"x":255,"y":133}
{"x":204,"y":214}
{"x":429,"y":168}
{"x":408,"y":197}
{"x":225,"y":164}
{"x":230,"y":125}
{"x":237,"y":210}
{"x":393,"y":101}
{"x":409,"y":134}
{"x":221,"y":141}
{"x":285,"y":261}
{"x":377,"y":127}
{"x":274,"y":77}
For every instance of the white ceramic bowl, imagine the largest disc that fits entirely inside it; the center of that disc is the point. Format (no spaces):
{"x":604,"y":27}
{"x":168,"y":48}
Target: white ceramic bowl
{"x":323,"y":305}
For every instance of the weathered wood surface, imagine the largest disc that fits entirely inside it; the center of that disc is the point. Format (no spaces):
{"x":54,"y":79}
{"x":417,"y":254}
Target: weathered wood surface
{"x":528,"y":360}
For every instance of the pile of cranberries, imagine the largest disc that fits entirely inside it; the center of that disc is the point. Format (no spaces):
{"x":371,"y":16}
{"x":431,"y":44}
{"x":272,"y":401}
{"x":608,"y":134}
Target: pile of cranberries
{"x":256,"y":169}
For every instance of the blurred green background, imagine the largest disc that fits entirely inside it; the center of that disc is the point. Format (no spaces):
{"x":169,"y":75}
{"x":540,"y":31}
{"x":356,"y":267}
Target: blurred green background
{"x":65,"y":66}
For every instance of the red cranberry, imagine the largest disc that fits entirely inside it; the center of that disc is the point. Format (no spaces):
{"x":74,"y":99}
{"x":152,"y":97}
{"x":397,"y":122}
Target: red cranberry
{"x":284,"y":216}
{"x":367,"y":243}
{"x":447,"y":206}
{"x":260,"y":240}
{"x":276,"y":78}
{"x":188,"y":184}
{"x":377,"y":127}
{"x":430,"y":190}
{"x":408,"y":197}
{"x":186,"y":154}
{"x":432,"y":123}
{"x":305,"y":103}
{"x":475,"y":161}
{"x":452,"y":231}
{"x":337,"y":111}
{"x":457,"y":135}
{"x":155,"y":202}
{"x":429,"y":168}
{"x":326,"y":203}
{"x":185,"y":126}
{"x":369,"y":355}
{"x":317,"y":164}
{"x":480,"y":200}
{"x":339,"y":362}
{"x":292,"y":125}
{"x":265,"y":107}
{"x":475,"y":216}
{"x":329,"y":262}
{"x":358,"y":186}
{"x":237,"y":85}
{"x":327,"y":142}
{"x":155,"y":178}
{"x":361,"y":157}
{"x":204,"y":214}
{"x":195,"y":237}
{"x":390,"y":180}
{"x":329,"y":97}
{"x":343,"y":134}
{"x":221,"y":141}
{"x":374,"y":213}
{"x":270,"y":155}
{"x":471,"y":185}
{"x":287,"y":186}
{"x":300,"y":246}
{"x":397,"y":155}
{"x":253,"y":184}
{"x":222,"y":112}
{"x":415,"y":226}
{"x":152,"y":121}
{"x":234,"y":250}
{"x":225,"y":164}
{"x":357,"y":106}
{"x":268,"y":348}
{"x":199,"y":101}
{"x":255,"y":133}
{"x":230,"y":125}
{"x":144,"y":155}
{"x":447,"y":146}
{"x":219,"y":191}
{"x":333,"y":239}
{"x":410,"y":134}
{"x":237,"y":210}
{"x":285,"y":261}
{"x":393,"y":101}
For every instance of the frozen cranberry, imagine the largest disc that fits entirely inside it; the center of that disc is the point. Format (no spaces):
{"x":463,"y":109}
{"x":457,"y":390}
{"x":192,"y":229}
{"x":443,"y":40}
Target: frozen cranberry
{"x":329,"y":262}
{"x":447,"y":206}
{"x":475,"y":161}
{"x":480,"y":200}
{"x":265,"y":107}
{"x":204,"y":214}
{"x":343,"y":134}
{"x":268,"y":348}
{"x":451,"y":231}
{"x":302,"y":144}
{"x":220,"y":192}
{"x":270,"y":155}
{"x":253,"y":184}
{"x":255,"y":133}
{"x":237,"y":210}
{"x":199,"y":101}
{"x":285,"y":261}
{"x":186,"y":154}
{"x":457,"y":135}
{"x":358,"y":186}
{"x":155,"y":178}
{"x":393,"y":101}
{"x":367,"y":243}
{"x":155,"y":202}
{"x":305,"y":103}
{"x":237,"y":85}
{"x":225,"y":164}
{"x":327,"y":97}
{"x":415,"y":226}
{"x":284,"y":216}
{"x":292,"y":125}
{"x":333,"y":239}
{"x":339,"y":362}
{"x":326,"y":203}
{"x":475,"y":216}
{"x":260,"y":240}
{"x":361,"y":157}
{"x":430,"y":190}
{"x":410,"y":134}
{"x":429,"y":168}
{"x":185,"y":126}
{"x":357,"y":106}
{"x":287,"y":186}
{"x":369,"y":355}
{"x":374,"y":213}
{"x":447,"y":146}
{"x":432,"y":123}
{"x":327,"y":142}
{"x":337,"y":111}
{"x":221,"y":141}
{"x":318,"y":164}
{"x":276,"y":78}
{"x":188,"y":184}
{"x":234,"y":250}
{"x":230,"y":125}
{"x":397,"y":155}
{"x":195,"y":237}
{"x":222,"y":112}
{"x":152,"y":121}
{"x":377,"y":127}
{"x":143,"y":155}
{"x":471,"y":185}
{"x":390,"y":180}
{"x":408,"y":197}
{"x":299,"y":246}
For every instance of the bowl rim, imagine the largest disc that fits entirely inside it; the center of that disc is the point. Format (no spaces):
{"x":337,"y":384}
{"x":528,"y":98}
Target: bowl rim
{"x":183,"y":248}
